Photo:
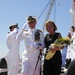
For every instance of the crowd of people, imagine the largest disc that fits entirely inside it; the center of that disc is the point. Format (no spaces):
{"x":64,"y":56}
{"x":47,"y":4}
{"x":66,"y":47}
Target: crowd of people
{"x":35,"y":42}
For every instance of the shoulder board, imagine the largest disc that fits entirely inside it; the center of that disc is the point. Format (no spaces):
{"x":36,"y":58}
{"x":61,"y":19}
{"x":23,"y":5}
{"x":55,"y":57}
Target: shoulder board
{"x":25,"y":30}
{"x":40,"y":30}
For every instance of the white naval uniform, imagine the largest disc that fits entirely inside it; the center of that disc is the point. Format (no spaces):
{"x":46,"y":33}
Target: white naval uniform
{"x":71,"y":49}
{"x":12,"y":56}
{"x":30,"y":54}
{"x":73,"y":52}
{"x":72,"y":11}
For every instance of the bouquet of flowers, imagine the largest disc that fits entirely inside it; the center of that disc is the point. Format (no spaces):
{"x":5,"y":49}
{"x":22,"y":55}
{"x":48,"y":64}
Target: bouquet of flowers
{"x":60,"y":42}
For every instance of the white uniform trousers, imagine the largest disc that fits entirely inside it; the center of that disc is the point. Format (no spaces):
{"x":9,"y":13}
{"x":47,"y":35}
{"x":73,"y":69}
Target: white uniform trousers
{"x":13,"y":68}
{"x":28,"y":68}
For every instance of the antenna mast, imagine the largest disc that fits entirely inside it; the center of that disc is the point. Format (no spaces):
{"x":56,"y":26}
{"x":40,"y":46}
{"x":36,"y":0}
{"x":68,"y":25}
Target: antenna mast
{"x":49,"y":12}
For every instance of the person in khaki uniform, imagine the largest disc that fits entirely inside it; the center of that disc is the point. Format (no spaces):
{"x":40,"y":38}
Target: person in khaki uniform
{"x":34,"y":42}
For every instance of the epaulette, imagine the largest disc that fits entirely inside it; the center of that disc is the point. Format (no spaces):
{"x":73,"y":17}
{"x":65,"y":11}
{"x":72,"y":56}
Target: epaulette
{"x":40,"y":30}
{"x":24,"y":30}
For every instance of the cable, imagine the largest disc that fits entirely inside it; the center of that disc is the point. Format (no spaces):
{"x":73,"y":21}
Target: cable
{"x":44,"y":9}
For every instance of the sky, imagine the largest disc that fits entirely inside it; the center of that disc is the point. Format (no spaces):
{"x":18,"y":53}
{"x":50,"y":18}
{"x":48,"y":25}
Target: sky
{"x":16,"y":11}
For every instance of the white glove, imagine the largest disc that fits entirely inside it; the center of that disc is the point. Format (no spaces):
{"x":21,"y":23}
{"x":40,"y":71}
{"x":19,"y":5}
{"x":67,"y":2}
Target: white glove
{"x":41,"y":48}
{"x":16,"y":30}
{"x":24,"y":26}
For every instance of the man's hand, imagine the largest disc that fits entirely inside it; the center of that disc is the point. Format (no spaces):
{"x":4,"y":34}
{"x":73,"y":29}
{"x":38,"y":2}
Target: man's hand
{"x":24,"y":26}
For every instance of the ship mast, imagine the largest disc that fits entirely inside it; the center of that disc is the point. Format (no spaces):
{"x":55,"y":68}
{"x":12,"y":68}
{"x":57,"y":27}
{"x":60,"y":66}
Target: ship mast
{"x":49,"y":12}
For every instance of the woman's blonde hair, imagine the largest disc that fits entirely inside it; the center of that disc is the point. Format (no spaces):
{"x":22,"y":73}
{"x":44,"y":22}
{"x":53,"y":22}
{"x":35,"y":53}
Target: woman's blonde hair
{"x":54,"y":25}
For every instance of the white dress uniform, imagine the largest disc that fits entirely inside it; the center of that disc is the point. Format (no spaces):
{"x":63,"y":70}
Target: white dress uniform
{"x":71,"y":49}
{"x":72,"y":11}
{"x":31,"y":52}
{"x":73,"y":52}
{"x":12,"y":56}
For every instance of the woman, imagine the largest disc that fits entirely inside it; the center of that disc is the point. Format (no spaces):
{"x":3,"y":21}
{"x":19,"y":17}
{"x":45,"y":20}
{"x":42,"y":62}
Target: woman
{"x":53,"y":65}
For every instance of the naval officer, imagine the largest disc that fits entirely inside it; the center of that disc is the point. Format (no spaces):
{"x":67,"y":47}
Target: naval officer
{"x":12,"y":56}
{"x":34,"y":42}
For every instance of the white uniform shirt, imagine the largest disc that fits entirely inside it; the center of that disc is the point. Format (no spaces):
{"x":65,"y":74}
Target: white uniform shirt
{"x":71,"y":49}
{"x":31,"y":48}
{"x":73,"y":52}
{"x":13,"y":47}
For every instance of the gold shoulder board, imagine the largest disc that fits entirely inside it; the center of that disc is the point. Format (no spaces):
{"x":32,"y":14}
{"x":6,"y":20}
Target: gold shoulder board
{"x":40,"y":30}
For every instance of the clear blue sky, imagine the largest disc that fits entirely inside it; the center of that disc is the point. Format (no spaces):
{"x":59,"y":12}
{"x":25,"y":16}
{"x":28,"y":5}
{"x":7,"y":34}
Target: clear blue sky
{"x":16,"y":11}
